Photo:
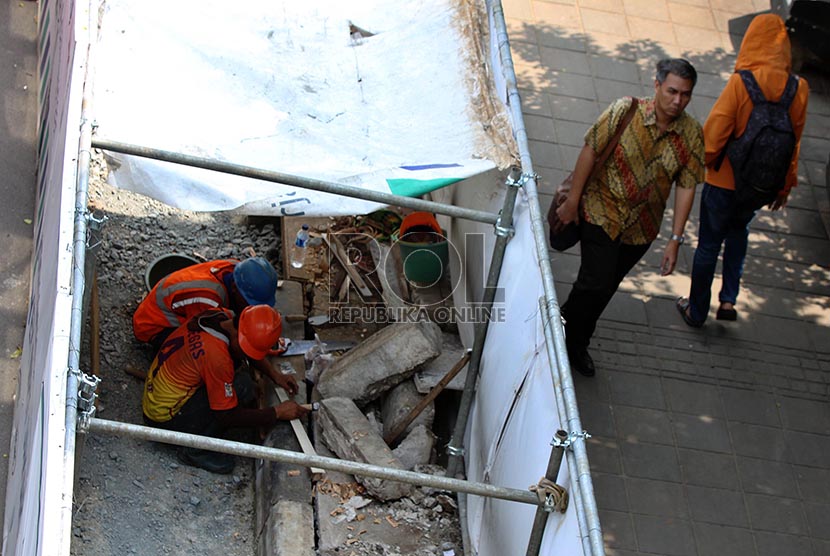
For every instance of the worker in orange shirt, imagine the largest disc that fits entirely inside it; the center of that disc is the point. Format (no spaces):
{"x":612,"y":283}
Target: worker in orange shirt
{"x":229,"y":284}
{"x":751,"y":161}
{"x":193,"y":385}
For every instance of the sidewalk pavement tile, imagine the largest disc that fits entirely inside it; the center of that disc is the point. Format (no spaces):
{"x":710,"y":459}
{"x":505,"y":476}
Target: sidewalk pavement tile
{"x":617,"y":529}
{"x":708,"y":469}
{"x":779,"y":544}
{"x":635,"y":424}
{"x":604,"y":5}
{"x":805,"y":415}
{"x":759,"y":442}
{"x":762,"y":476}
{"x":540,"y":128}
{"x":636,"y":390}
{"x":557,"y":15}
{"x":701,"y":433}
{"x":696,"y":38}
{"x":617,"y":70}
{"x":818,"y":518}
{"x":650,"y":461}
{"x":573,"y":85}
{"x":565,"y":61}
{"x":642,"y":28}
{"x":813,"y":483}
{"x":693,"y":397}
{"x":604,"y":455}
{"x":560,"y":38}
{"x":597,"y":21}
{"x":610,"y":492}
{"x":696,"y":16}
{"x":597,"y":418}
{"x":573,"y":133}
{"x":719,"y":540}
{"x":716,"y":505}
{"x":575,"y":109}
{"x":808,"y":449}
{"x":782,"y":515}
{"x":652,"y":9}
{"x":658,"y":498}
{"x":665,"y":536}
{"x":750,"y":406}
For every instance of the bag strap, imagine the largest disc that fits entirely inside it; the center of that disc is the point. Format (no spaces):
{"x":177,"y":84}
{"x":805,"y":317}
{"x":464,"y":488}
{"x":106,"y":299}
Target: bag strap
{"x":789,"y":92}
{"x":612,"y":144}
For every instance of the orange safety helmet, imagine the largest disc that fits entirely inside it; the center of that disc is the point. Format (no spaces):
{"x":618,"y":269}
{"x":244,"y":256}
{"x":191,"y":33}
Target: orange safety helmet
{"x":260,"y":327}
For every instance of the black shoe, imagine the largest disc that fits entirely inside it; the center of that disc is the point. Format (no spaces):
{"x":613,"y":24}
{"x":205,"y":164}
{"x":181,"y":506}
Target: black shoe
{"x":582,"y":362}
{"x":215,"y":462}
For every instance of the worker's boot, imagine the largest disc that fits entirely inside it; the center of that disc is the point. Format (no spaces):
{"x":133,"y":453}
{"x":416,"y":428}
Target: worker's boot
{"x":215,"y":462}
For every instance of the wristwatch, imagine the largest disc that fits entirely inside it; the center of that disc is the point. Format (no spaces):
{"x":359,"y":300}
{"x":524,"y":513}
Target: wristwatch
{"x":677,"y":238}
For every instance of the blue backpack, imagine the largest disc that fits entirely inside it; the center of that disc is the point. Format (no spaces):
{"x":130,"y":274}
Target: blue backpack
{"x":761,"y":156}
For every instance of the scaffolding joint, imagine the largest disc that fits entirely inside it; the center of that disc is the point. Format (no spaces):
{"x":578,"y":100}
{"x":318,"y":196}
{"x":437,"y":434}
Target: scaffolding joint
{"x":503,"y":231}
{"x":94,"y":224}
{"x":570,"y":440}
{"x":456,"y":452}
{"x":517,"y":178}
{"x":87,"y":384}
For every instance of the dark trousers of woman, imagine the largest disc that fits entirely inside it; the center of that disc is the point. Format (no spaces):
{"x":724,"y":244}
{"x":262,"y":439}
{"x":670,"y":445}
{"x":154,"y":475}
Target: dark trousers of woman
{"x":604,"y":264}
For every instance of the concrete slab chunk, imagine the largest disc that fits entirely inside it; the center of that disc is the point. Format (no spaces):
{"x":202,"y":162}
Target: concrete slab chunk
{"x":383,"y":360}
{"x":431,"y":372}
{"x":416,"y":448}
{"x":350,"y":435}
{"x":397,"y":405}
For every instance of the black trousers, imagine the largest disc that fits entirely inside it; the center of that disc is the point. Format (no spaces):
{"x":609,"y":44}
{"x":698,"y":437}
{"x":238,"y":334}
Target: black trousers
{"x":196,"y":416}
{"x":604,"y":264}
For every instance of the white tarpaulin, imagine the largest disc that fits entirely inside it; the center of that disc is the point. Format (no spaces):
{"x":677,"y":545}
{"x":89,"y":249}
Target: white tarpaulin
{"x":391,"y":96}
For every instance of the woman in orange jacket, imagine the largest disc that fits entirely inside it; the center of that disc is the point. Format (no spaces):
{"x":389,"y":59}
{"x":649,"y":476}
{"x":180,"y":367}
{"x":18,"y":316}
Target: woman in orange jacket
{"x":765,"y":51}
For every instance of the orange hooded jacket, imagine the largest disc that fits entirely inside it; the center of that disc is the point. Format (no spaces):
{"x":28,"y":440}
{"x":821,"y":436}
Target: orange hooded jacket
{"x":765,"y":51}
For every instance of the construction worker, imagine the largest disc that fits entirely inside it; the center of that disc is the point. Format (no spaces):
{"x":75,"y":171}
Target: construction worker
{"x":180,"y":295}
{"x":193,"y":385}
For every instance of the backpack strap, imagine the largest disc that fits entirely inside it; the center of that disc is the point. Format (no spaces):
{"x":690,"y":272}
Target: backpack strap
{"x":789,"y":91}
{"x":756,"y":95}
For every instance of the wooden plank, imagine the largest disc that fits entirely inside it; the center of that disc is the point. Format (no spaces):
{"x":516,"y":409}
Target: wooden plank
{"x":340,"y":253}
{"x":302,"y":437}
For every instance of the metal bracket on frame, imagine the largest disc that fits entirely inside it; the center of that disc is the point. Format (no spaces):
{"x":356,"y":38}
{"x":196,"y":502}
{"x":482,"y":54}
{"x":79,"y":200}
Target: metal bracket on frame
{"x":517,"y":178}
{"x":570,"y":440}
{"x":502,"y":231}
{"x":87,"y":384}
{"x":457,"y":452}
{"x":94,"y":224}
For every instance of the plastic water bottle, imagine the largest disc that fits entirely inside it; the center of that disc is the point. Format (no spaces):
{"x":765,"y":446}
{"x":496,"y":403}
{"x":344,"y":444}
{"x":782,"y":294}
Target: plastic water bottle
{"x":298,"y":250}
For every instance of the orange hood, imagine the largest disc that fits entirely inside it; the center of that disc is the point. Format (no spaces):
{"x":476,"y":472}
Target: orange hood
{"x":765,"y":45}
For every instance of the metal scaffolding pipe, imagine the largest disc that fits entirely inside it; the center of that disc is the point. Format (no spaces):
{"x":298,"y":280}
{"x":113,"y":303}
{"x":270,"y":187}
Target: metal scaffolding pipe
{"x":455,"y":446}
{"x":588,"y":502}
{"x":308,"y":460}
{"x":541,"y":518}
{"x":296,"y":181}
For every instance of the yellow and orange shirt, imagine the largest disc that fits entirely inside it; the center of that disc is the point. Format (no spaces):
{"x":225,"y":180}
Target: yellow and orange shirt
{"x":192,"y":356}
{"x":628,"y":195}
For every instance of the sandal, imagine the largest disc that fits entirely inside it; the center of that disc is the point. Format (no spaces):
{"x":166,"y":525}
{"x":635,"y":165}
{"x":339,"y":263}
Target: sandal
{"x":682,"y":305}
{"x":727,"y":314}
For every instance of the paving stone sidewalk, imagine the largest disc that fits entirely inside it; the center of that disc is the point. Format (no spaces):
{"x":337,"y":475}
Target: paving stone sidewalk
{"x":712,"y":441}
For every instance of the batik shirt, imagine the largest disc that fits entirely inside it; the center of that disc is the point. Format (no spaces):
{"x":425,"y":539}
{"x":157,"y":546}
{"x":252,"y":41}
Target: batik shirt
{"x":628,"y":196}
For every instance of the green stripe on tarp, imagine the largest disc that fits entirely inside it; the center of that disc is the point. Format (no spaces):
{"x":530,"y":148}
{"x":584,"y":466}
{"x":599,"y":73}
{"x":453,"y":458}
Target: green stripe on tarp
{"x":416,"y":188}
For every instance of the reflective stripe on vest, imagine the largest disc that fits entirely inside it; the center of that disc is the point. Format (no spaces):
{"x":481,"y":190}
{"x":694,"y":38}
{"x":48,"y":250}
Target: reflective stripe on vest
{"x":163,"y":292}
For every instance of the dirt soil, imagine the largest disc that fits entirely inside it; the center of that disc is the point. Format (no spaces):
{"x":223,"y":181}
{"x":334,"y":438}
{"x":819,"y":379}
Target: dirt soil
{"x":133,"y":496}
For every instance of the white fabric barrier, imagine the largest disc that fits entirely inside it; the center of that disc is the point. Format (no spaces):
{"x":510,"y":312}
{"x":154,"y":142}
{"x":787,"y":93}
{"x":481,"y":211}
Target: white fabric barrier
{"x":37,"y":495}
{"x":381,"y":94}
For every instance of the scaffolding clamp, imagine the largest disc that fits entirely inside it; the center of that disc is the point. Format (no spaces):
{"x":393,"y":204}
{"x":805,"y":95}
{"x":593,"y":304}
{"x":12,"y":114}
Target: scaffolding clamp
{"x":552,"y":497}
{"x":87,"y":384}
{"x":94,"y":224}
{"x":517,"y":178}
{"x":456,"y":452}
{"x":569,"y":440}
{"x":502,"y":231}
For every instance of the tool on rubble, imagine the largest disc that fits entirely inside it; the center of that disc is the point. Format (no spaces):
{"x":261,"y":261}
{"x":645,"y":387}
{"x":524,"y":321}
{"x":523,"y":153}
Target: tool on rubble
{"x":299,"y":347}
{"x":299,"y":431}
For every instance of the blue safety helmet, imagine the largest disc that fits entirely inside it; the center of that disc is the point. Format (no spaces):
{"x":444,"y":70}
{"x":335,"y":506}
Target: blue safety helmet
{"x":256,"y":280}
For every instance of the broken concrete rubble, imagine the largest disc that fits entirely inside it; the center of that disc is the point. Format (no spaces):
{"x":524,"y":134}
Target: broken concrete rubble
{"x":397,"y":405}
{"x":416,"y":448}
{"x":349,"y":435}
{"x":383,"y":360}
